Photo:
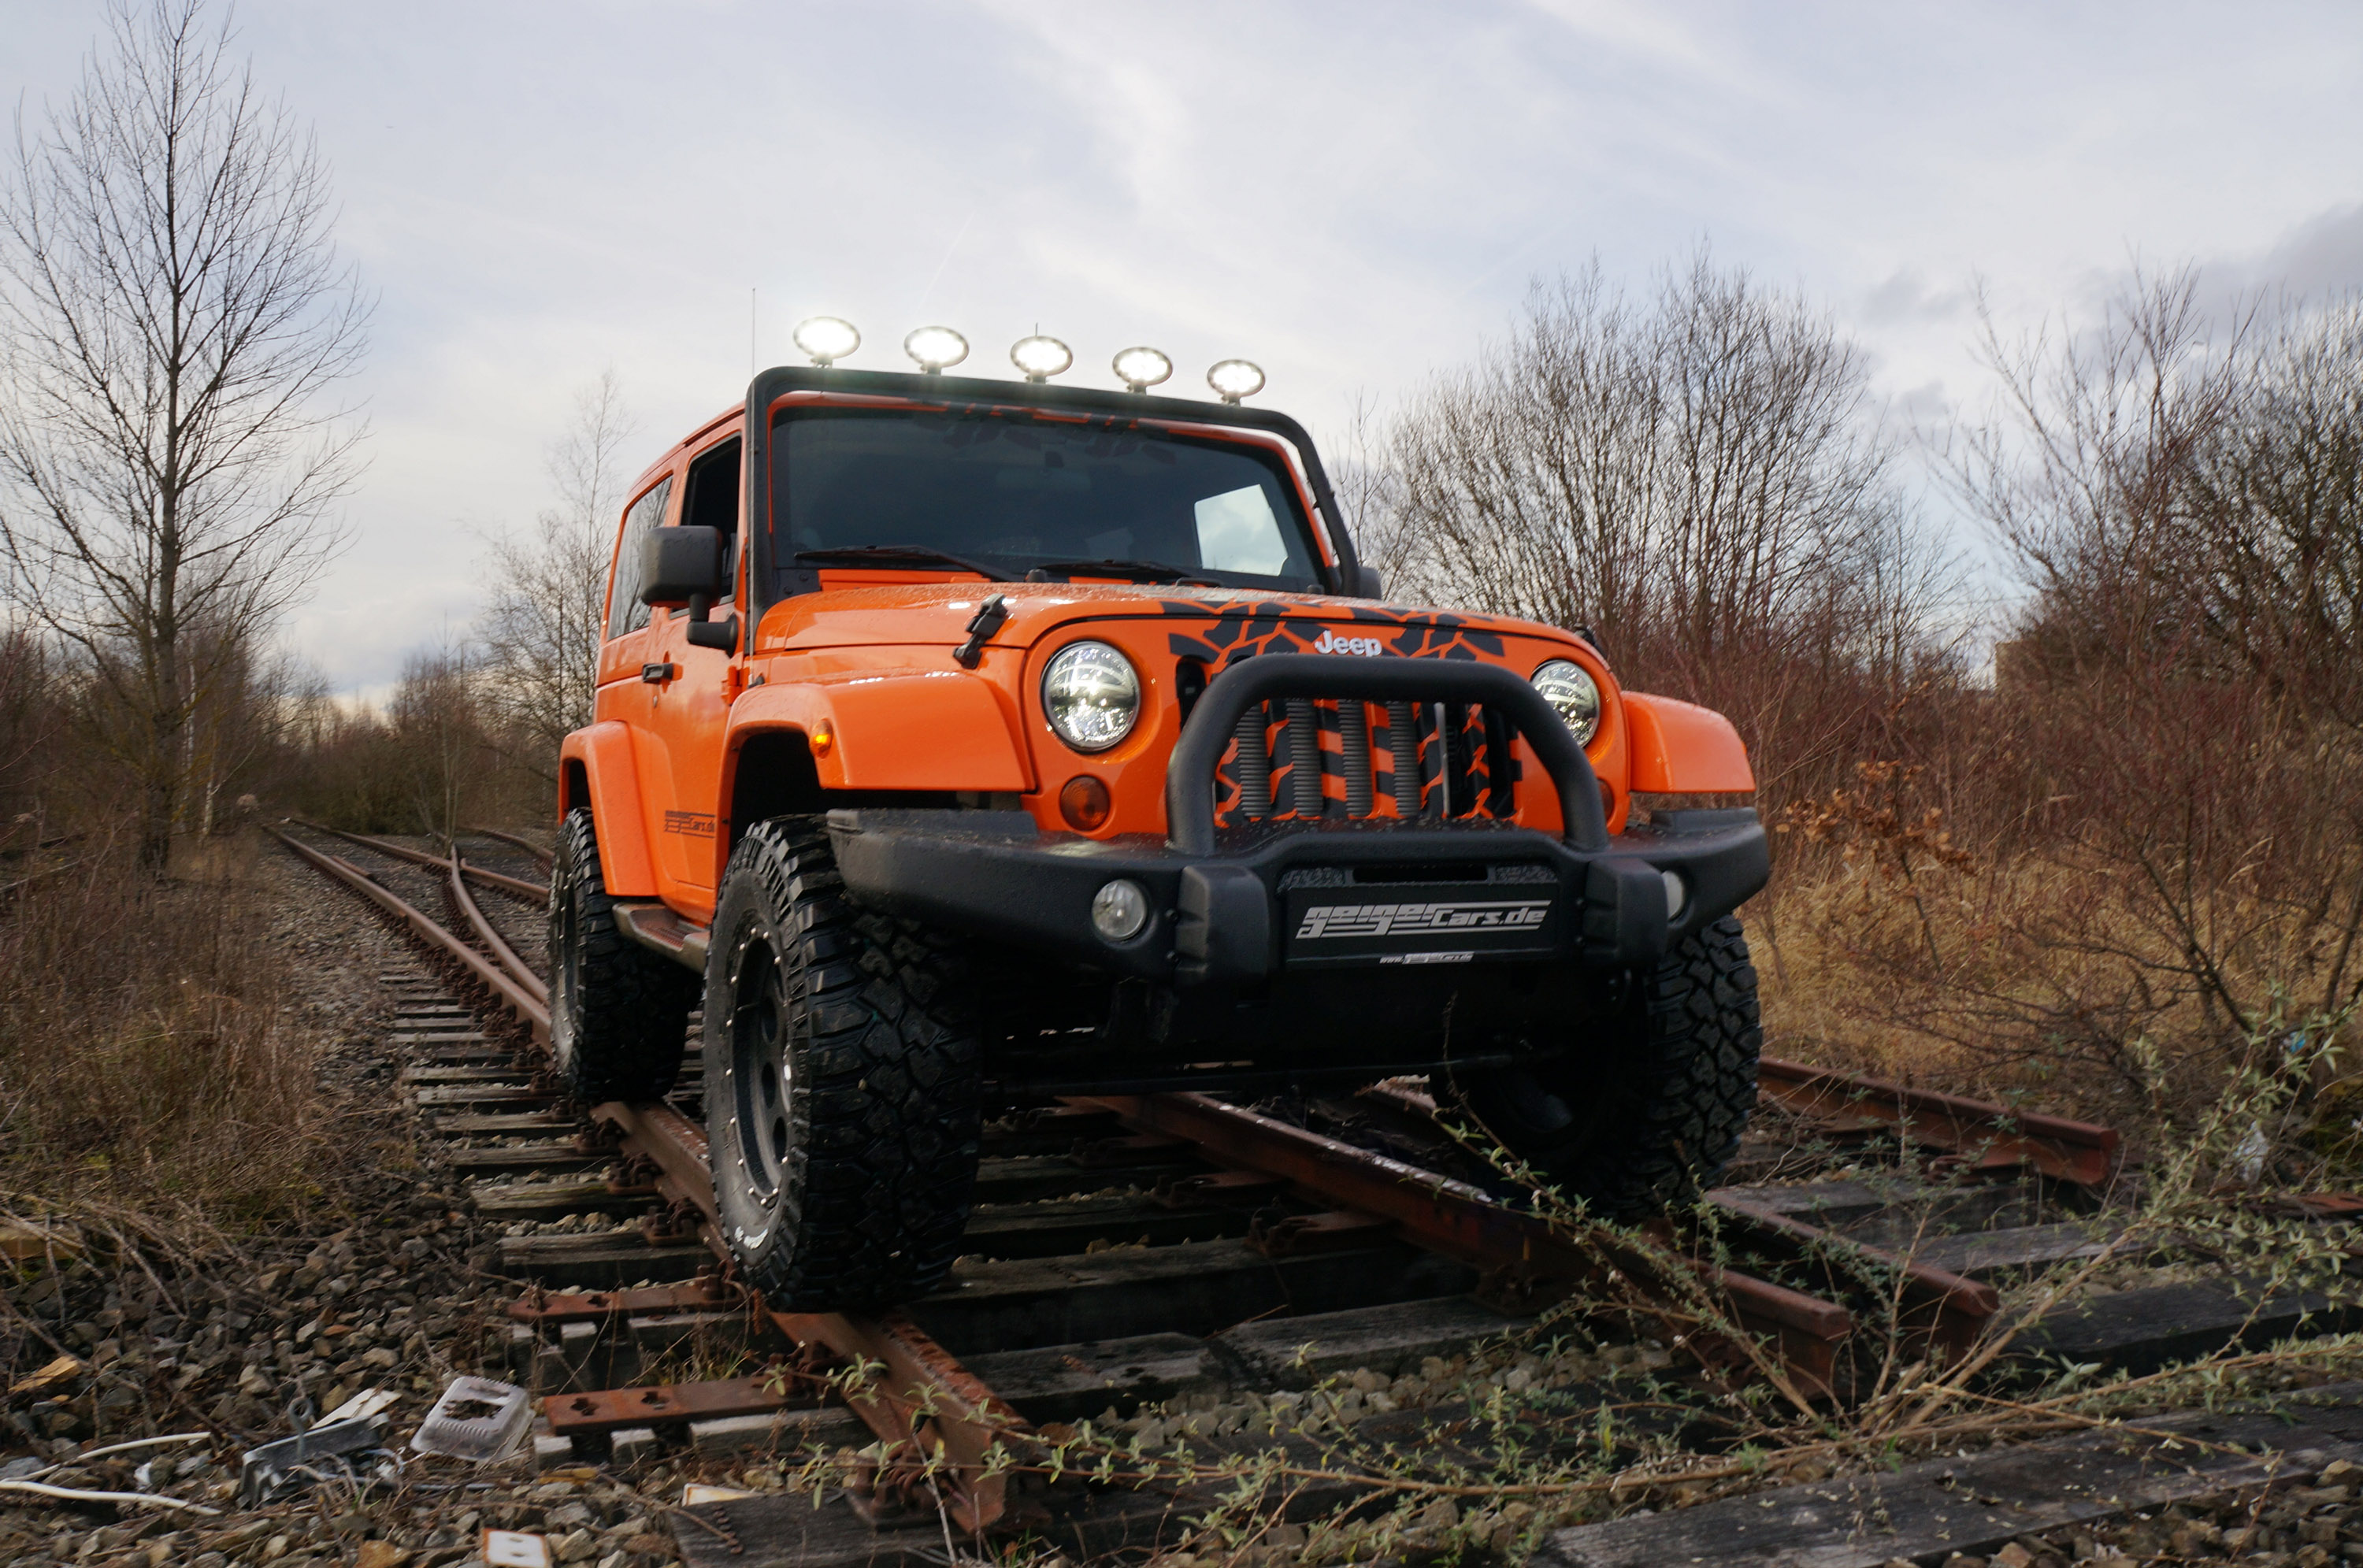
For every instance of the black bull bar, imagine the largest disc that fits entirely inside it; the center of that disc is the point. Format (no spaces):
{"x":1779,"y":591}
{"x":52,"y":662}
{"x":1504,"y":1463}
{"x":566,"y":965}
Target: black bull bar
{"x":1213,"y":723}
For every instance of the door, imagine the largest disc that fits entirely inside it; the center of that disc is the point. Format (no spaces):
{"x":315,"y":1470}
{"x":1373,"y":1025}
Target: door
{"x":690,"y":691}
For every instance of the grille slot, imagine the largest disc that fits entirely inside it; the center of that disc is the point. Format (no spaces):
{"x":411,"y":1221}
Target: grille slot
{"x":1254,"y":765}
{"x":1354,"y":758}
{"x":1303,"y":758}
{"x":1402,"y":746}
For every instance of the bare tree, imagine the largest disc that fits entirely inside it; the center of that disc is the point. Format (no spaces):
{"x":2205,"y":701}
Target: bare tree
{"x":437,"y":720}
{"x":2084,"y":471}
{"x":2278,"y":515}
{"x":176,"y":320}
{"x":2182,"y":492}
{"x":1699,"y":477}
{"x":541,"y":630}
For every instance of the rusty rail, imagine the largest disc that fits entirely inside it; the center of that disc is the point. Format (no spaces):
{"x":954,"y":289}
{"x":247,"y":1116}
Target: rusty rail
{"x":927,"y":1407}
{"x":1525,"y":1261}
{"x":522,"y":888}
{"x":1980,"y":1135}
{"x":493,"y":941}
{"x":1945,"y":1308}
{"x":922,"y":1399}
{"x":923,"y":1396}
{"x":520,"y":1003}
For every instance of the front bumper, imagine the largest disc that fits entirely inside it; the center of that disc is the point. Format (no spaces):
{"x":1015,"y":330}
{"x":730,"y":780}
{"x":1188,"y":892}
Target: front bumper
{"x":1328,"y":896}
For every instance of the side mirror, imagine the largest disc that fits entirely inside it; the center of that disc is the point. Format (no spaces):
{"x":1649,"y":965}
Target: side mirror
{"x":680,"y":565}
{"x":690,"y":566}
{"x":1364,"y":582}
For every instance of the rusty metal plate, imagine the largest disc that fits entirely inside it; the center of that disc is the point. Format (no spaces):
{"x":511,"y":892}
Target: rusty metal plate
{"x":609,"y":1408}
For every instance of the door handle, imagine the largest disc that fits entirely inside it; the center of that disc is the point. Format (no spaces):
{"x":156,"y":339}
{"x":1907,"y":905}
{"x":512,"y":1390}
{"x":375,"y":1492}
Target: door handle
{"x":658,"y":674}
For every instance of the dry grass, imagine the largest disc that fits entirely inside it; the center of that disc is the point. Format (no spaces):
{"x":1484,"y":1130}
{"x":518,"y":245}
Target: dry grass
{"x":147,"y":1056}
{"x":2126,"y":970}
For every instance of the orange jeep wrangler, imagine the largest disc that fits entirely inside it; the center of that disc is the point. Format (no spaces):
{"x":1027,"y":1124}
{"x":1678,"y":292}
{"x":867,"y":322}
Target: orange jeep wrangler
{"x":962,"y":743}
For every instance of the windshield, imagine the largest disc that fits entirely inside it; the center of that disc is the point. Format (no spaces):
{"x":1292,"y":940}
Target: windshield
{"x":1012,"y":494}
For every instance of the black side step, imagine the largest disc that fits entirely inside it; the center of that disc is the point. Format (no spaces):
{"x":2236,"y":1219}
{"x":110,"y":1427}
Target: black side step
{"x":659,"y":929}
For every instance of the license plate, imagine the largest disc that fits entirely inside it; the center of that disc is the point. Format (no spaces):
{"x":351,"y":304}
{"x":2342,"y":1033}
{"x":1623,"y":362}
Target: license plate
{"x":1412,"y":924}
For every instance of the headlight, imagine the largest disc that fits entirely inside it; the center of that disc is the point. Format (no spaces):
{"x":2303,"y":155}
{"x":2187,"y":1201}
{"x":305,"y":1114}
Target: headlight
{"x":1567,"y":688}
{"x":1091,"y":696}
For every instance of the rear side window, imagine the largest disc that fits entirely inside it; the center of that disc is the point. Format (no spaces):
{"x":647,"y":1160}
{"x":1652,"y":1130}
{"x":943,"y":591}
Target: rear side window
{"x":625,"y":610}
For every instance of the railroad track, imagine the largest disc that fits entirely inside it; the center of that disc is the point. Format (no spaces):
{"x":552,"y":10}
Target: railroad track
{"x":1129,"y":1252}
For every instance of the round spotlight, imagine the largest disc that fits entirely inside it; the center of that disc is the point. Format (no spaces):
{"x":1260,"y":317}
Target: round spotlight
{"x":935,"y":348}
{"x":1041,"y":358}
{"x":826,"y":338}
{"x":1141,"y":369}
{"x":1119,"y":909}
{"x":1236,"y":378}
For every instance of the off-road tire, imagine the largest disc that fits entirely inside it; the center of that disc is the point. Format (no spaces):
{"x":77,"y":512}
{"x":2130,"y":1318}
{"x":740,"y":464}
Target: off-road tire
{"x":618,"y":1013}
{"x":844,"y":1079}
{"x":1651,"y":1111}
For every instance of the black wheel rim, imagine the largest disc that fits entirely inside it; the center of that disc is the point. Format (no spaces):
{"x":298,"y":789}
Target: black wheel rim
{"x":760,"y":1072}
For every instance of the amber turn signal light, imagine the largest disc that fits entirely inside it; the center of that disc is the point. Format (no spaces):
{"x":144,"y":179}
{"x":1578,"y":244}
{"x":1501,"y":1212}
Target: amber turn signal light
{"x":1085,"y":802}
{"x":824,"y":740}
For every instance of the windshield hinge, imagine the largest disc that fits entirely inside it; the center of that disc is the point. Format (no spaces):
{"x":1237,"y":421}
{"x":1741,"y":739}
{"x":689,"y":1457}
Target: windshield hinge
{"x":986,"y":620}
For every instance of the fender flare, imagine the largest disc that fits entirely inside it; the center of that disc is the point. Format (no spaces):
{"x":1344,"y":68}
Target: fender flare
{"x":596,"y":769}
{"x":1680,"y":748}
{"x":889,"y":730}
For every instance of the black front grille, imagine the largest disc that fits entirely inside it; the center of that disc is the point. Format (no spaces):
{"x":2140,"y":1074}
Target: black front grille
{"x":1300,"y":758}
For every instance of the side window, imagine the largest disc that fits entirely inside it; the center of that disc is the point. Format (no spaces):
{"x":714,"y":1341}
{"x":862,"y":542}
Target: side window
{"x":625,"y":610}
{"x":712,"y":499}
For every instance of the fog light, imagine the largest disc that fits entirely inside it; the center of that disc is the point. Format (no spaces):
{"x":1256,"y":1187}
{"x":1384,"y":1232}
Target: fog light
{"x":1119,"y":911}
{"x":1084,"y":803}
{"x":1678,"y":893}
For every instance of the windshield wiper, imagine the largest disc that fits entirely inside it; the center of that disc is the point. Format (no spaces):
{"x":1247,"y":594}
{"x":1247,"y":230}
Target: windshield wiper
{"x":1139,"y":572}
{"x":899,"y":555}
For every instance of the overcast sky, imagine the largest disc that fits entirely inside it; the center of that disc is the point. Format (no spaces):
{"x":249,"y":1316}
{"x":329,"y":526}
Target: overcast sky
{"x":1351,"y":194}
